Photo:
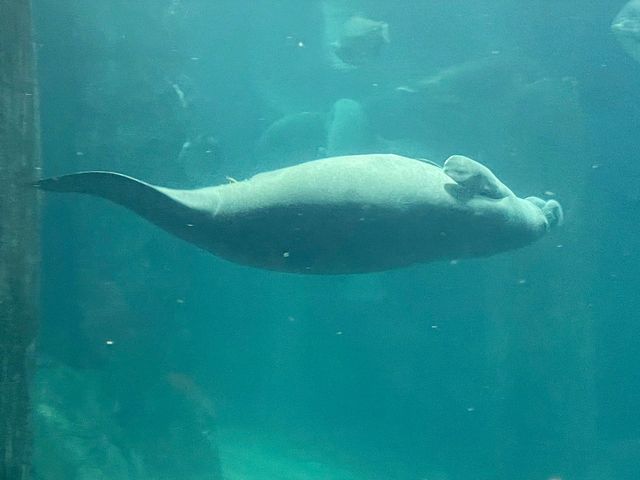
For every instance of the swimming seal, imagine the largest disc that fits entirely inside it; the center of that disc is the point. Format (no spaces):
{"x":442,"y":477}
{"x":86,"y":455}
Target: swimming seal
{"x":338,"y":215}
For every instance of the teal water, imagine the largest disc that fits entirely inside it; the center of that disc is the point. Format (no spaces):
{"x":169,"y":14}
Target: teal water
{"x":160,"y":361}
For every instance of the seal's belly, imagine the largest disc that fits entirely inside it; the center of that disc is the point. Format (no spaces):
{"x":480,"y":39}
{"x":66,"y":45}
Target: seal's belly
{"x":336,"y":239}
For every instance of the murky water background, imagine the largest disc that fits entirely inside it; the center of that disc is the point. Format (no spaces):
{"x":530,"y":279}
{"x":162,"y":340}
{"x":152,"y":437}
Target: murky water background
{"x":158,"y":359}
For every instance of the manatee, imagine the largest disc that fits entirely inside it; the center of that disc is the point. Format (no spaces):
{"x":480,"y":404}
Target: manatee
{"x":351,"y":40}
{"x":338,"y":215}
{"x":626,"y":27}
{"x":361,"y":40}
{"x":299,"y":135}
{"x":348,"y":130}
{"x":474,"y":80}
{"x":311,"y":135}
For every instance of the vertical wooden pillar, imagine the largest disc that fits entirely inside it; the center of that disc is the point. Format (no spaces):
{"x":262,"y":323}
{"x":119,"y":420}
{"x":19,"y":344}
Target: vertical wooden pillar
{"x":19,"y":245}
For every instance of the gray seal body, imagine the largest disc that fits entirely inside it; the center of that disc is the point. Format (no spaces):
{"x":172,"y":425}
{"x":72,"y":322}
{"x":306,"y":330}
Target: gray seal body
{"x":339,"y":215}
{"x":626,"y":28}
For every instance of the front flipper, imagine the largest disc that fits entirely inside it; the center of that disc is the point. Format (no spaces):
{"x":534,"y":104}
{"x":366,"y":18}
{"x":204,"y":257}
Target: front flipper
{"x":473,"y":178}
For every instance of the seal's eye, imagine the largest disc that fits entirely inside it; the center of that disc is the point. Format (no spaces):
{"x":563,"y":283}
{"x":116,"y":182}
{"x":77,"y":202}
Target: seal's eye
{"x":464,"y":192}
{"x":490,"y":191}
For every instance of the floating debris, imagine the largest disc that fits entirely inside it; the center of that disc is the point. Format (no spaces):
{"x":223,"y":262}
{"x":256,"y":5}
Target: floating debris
{"x":180,"y":94}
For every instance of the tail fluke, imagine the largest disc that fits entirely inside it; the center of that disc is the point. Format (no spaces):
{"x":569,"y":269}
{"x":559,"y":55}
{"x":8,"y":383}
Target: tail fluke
{"x":155,"y":204}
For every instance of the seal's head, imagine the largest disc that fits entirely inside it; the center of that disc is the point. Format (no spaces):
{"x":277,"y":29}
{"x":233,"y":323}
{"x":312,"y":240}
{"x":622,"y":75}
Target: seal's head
{"x":626,"y":28}
{"x":498,"y":217}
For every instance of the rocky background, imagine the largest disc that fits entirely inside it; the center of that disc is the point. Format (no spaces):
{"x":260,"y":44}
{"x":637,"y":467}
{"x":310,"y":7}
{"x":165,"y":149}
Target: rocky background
{"x":518,"y":366}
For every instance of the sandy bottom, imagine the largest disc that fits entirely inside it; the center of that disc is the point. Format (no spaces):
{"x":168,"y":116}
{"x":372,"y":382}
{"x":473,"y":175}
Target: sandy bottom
{"x":250,"y":456}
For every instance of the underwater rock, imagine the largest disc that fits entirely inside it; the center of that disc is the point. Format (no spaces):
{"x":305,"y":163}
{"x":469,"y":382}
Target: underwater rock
{"x":626,"y":27}
{"x":339,"y":215}
{"x":91,"y":426}
{"x":76,"y":437}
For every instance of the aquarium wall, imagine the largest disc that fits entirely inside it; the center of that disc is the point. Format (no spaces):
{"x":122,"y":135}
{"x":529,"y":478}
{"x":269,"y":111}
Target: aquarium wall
{"x":158,"y":360}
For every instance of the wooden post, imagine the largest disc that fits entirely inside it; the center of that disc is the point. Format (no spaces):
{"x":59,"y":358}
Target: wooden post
{"x":19,"y":244}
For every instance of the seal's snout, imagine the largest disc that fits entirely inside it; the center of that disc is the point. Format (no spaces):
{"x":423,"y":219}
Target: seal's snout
{"x":553,"y":212}
{"x":551,"y":209}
